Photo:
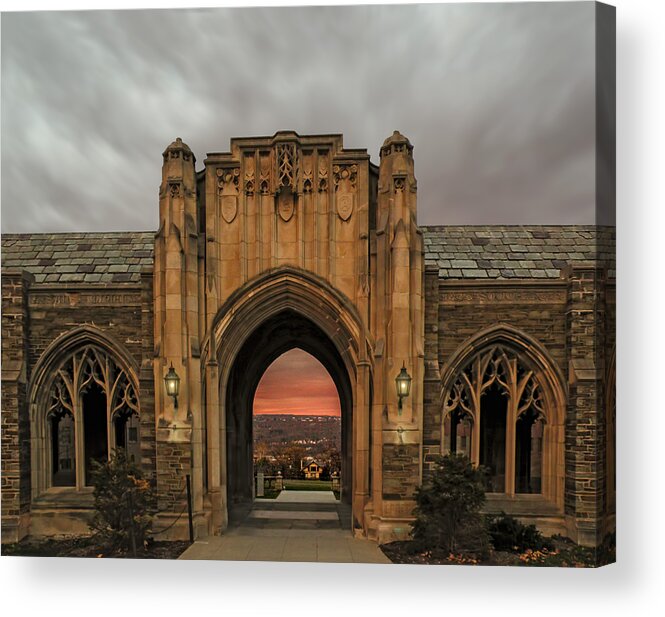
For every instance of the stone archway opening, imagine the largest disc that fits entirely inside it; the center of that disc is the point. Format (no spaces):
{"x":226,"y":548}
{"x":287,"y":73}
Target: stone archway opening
{"x":297,"y":427}
{"x":275,"y":336}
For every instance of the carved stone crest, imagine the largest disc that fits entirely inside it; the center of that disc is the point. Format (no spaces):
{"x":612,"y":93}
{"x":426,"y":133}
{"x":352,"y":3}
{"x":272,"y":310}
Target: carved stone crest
{"x":229,"y":207}
{"x":285,"y":205}
{"x":345,"y":186}
{"x":345,"y":206}
{"x":227,"y":186}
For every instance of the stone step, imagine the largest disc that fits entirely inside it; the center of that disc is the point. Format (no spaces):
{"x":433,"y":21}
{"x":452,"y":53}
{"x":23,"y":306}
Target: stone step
{"x":294,"y":507}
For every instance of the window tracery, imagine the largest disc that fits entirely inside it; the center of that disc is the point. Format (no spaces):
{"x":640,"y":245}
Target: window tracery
{"x":497,"y":400}
{"x":92,"y":408}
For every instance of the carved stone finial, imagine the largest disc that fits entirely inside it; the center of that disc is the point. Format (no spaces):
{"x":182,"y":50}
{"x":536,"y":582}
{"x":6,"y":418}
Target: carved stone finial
{"x":178,"y":148}
{"x":396,"y":143}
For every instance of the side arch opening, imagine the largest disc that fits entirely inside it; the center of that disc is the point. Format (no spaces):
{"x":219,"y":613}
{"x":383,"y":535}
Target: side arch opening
{"x":83,"y":404}
{"x":503,"y":391}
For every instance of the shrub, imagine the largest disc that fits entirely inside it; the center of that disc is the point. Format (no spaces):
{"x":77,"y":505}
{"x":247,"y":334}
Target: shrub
{"x":607,"y":551}
{"x":508,"y":534}
{"x":448,"y":508}
{"x":123,"y":503}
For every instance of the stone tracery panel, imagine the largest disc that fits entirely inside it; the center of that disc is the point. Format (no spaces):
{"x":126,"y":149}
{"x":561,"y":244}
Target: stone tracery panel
{"x":498,"y":382}
{"x":88,"y":368}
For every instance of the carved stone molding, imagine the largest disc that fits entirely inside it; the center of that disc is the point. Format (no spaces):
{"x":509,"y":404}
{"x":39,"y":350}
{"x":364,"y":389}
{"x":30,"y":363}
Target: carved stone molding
{"x":345,"y":176}
{"x":265,"y":172}
{"x":504,"y":296}
{"x":287,"y":165}
{"x":76,"y":299}
{"x":307,"y":179}
{"x":249,"y":175}
{"x":323,"y":172}
{"x":228,"y":180}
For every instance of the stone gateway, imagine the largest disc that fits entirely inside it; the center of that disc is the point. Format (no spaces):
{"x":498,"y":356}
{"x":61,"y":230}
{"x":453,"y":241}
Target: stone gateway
{"x":294,"y":241}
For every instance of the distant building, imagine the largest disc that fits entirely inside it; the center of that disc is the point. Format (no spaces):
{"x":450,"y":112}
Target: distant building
{"x":312,"y":470}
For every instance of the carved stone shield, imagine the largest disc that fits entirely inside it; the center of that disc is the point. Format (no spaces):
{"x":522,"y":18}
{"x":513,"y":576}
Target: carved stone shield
{"x":345,"y":206}
{"x":285,"y":207}
{"x":229,"y":207}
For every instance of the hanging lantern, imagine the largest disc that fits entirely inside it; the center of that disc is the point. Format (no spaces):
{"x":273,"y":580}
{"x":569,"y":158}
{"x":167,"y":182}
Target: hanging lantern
{"x":403,"y":384}
{"x":172,"y":382}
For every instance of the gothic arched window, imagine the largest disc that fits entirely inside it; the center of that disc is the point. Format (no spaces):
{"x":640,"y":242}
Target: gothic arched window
{"x":93,"y":409}
{"x":495,"y":413}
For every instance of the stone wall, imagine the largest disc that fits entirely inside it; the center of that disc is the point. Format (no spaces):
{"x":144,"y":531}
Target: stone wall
{"x":585,"y":418}
{"x":123,"y":312}
{"x":574,"y":319}
{"x":432,"y":387}
{"x":538,"y":309}
{"x":116,"y":310}
{"x":146,"y":378}
{"x":15,"y":420}
{"x":401,"y":469}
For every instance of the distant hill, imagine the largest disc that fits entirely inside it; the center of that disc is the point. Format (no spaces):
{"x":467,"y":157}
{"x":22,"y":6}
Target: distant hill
{"x":308,"y":430}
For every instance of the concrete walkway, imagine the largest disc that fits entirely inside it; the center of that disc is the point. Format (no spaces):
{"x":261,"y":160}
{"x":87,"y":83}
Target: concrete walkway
{"x":297,"y":526}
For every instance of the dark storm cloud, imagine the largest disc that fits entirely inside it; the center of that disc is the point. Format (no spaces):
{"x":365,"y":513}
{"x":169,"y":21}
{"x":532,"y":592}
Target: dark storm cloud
{"x":498,"y":101}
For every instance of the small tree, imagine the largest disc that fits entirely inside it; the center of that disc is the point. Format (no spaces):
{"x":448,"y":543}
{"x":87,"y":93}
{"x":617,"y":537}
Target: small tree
{"x":123,"y":503}
{"x":448,"y":508}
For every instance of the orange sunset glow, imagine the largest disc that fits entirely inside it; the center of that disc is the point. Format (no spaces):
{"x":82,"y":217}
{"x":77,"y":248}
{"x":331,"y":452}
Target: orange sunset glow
{"x":297,"y":383}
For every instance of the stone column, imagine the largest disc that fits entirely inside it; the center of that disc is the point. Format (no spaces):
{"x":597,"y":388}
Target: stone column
{"x":584,"y":447}
{"x":15,"y":420}
{"x":146,"y":377}
{"x":432,"y":419}
{"x":399,"y":335}
{"x":176,"y":331}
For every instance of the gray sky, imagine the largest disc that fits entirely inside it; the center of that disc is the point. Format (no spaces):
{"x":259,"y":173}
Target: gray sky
{"x":497,"y":99}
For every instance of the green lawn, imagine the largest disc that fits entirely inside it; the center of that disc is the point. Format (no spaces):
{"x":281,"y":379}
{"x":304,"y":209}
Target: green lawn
{"x":307,"y":485}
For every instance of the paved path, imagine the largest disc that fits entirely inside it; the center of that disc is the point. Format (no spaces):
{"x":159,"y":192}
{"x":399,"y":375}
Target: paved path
{"x":297,"y":526}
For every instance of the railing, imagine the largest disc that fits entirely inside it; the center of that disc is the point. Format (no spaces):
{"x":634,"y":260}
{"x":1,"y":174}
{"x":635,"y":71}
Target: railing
{"x":264,"y":484}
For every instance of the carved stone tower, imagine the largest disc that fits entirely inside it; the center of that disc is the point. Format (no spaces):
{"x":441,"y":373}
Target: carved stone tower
{"x":176,"y":324}
{"x":289,"y":241}
{"x":398,"y":329}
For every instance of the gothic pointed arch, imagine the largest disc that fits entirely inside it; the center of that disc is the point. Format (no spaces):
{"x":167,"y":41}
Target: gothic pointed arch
{"x":84,"y":402}
{"x":279,"y":310}
{"x":503,"y":405}
{"x":289,"y":288}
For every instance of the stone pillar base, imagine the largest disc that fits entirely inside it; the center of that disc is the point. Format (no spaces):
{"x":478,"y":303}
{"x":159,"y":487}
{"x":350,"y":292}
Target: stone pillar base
{"x":167,"y":526}
{"x":172,"y":529}
{"x":383,"y":530}
{"x":584,"y":533}
{"x":15,"y":528}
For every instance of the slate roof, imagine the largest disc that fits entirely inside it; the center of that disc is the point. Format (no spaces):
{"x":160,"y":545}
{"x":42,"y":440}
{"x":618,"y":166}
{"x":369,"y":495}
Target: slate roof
{"x":459,"y":251}
{"x":515,"y":251}
{"x":89,"y":257}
